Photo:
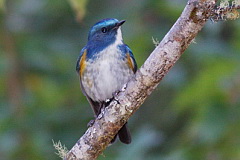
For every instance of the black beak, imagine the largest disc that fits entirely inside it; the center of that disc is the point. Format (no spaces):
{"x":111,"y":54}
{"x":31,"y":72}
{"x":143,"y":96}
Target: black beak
{"x":120,"y":23}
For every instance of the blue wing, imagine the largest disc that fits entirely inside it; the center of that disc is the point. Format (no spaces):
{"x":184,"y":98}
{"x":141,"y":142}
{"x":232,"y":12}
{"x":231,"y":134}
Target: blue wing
{"x":78,"y":65}
{"x":132,"y":59}
{"x":127,"y":54}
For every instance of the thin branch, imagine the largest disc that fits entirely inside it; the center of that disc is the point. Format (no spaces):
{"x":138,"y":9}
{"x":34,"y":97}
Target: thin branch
{"x":131,"y":97}
{"x":226,"y":10}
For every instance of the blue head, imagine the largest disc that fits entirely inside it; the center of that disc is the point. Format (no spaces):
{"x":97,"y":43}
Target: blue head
{"x":105,"y":32}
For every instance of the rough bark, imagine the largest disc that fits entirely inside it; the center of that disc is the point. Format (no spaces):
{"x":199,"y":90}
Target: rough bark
{"x":130,"y":98}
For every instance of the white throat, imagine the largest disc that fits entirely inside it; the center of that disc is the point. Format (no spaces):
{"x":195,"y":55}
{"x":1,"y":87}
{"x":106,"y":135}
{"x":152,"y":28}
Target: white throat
{"x":119,"y":36}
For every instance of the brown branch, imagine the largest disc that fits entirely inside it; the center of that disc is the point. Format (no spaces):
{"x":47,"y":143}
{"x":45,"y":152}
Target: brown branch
{"x":165,"y":55}
{"x":225,"y":12}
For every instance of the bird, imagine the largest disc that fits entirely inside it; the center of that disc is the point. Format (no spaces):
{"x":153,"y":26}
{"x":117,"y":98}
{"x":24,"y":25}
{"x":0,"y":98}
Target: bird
{"x":104,"y":65}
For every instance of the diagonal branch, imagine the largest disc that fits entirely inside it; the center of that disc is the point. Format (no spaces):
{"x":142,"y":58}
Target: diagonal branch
{"x":130,"y":98}
{"x":226,"y":11}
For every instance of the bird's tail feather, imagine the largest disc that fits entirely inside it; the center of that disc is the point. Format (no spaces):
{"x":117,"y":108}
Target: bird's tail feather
{"x":124,"y":134}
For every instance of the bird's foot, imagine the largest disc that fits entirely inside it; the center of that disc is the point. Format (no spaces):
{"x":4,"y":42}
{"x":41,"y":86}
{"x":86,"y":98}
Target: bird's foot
{"x":115,"y":94}
{"x":90,"y":123}
{"x":108,"y":100}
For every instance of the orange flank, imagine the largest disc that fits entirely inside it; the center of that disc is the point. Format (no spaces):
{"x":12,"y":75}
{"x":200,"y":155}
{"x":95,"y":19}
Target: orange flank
{"x":130,"y":62}
{"x":82,"y":63}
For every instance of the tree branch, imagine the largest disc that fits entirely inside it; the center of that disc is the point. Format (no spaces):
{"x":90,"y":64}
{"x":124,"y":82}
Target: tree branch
{"x":130,"y":98}
{"x":226,"y":10}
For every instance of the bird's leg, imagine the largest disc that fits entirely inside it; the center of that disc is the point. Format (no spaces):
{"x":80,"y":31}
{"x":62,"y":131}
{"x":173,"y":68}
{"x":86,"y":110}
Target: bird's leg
{"x":114,"y":96}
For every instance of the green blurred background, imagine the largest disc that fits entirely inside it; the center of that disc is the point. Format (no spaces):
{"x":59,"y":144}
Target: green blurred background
{"x":194,"y":114}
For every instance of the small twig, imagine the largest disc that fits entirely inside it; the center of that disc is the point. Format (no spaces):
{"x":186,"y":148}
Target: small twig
{"x":61,"y":149}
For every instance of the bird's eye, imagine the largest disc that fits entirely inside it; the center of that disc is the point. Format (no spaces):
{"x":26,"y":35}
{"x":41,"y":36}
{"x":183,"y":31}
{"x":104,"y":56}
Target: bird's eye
{"x":104,"y":29}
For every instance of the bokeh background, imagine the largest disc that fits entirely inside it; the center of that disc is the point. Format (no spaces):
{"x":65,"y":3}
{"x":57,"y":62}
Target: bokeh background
{"x":193,"y":114}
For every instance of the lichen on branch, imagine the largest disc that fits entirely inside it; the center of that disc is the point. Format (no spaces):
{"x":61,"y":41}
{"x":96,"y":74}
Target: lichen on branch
{"x":226,"y":10}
